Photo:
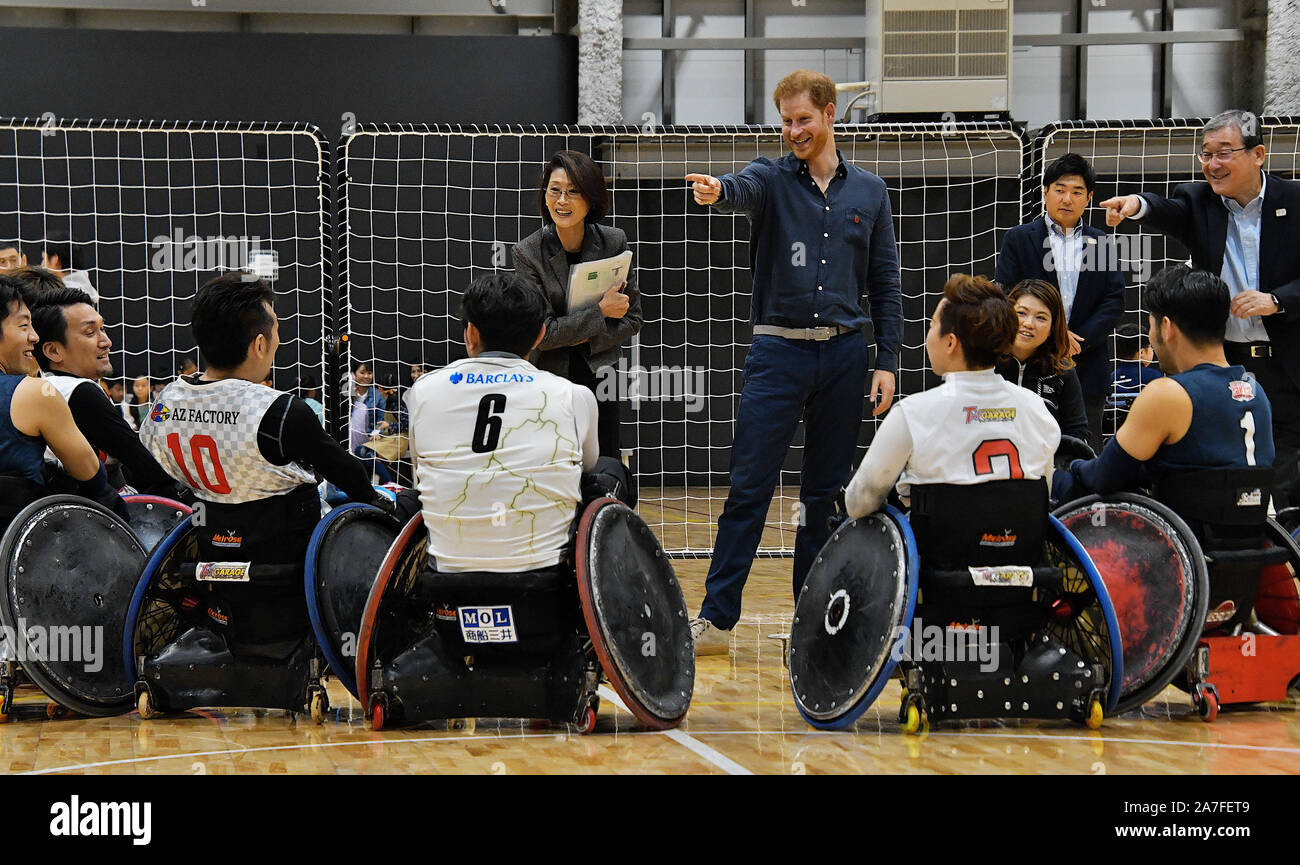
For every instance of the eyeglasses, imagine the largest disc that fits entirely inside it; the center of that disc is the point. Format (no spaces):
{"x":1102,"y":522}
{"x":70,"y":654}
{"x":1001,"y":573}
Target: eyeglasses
{"x":553,"y":194}
{"x":1207,"y":157}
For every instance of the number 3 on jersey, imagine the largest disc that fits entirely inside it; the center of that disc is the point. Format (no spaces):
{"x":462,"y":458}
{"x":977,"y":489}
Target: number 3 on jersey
{"x":991,"y":449}
{"x":487,"y":429}
{"x":201,"y":447}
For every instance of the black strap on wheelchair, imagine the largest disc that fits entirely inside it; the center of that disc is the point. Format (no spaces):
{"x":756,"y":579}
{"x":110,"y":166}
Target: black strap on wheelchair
{"x":1225,"y":508}
{"x":994,"y":523}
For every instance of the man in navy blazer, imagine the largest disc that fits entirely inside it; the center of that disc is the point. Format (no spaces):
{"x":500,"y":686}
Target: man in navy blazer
{"x":1243,"y":225}
{"x":1081,"y":261}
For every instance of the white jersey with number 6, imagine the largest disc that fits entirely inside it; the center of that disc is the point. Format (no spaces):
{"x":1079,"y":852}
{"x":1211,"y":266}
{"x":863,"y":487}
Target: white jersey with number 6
{"x":205,"y":435}
{"x":499,"y":449}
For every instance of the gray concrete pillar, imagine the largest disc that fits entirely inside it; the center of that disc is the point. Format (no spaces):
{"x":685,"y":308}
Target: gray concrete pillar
{"x":1282,"y":72}
{"x":600,"y":61}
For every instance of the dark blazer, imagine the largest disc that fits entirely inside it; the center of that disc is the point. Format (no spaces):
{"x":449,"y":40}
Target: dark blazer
{"x":1198,"y":219}
{"x":540,"y":259}
{"x":1098,"y":298}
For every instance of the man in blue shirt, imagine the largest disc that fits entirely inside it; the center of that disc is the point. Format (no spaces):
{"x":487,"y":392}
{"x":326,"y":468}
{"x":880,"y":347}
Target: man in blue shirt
{"x":1242,"y":225}
{"x":822,"y":235}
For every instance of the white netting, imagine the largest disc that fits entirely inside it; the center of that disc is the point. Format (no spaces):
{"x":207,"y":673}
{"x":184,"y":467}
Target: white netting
{"x":424,"y":210}
{"x":1143,"y":156}
{"x":153,"y":210}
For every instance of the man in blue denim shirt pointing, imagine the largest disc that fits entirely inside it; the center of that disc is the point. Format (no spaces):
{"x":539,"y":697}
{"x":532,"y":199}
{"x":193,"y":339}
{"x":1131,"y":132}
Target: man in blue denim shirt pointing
{"x":821,"y":237}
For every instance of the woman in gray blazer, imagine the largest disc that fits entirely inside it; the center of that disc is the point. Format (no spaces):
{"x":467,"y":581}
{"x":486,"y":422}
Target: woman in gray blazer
{"x":583,"y":346}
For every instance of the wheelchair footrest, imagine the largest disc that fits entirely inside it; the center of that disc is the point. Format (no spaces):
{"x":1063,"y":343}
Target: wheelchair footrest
{"x":1248,"y":668}
{"x":1047,"y":681}
{"x":199,"y":670}
{"x":424,"y":683}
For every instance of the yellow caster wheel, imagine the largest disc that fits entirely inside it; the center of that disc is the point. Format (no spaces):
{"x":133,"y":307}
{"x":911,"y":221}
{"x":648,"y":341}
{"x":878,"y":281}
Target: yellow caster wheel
{"x":1093,"y":721}
{"x":912,"y":720}
{"x":319,"y":705}
{"x":144,"y":705}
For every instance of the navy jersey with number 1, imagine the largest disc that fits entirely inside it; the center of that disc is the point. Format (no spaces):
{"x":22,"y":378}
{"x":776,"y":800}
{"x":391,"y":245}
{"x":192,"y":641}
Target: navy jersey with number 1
{"x":1232,"y":423}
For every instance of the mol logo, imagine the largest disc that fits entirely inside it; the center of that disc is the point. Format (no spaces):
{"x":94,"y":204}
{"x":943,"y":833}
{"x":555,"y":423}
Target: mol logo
{"x":160,"y":413}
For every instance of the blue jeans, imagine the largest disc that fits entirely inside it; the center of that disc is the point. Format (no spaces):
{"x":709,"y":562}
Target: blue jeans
{"x":373,"y":464}
{"x":784,"y":379}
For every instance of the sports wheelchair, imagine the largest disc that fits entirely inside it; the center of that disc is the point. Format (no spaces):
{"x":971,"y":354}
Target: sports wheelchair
{"x":438,"y":645}
{"x":69,"y":565}
{"x":1204,"y":584}
{"x":1024,"y":627}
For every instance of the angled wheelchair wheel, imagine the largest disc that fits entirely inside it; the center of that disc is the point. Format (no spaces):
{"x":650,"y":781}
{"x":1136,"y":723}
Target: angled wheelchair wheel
{"x":385,"y":627}
{"x":68,"y":565}
{"x":1153,"y":568}
{"x":1278,"y":602}
{"x":850,"y":616}
{"x":1083,"y":618}
{"x":635,"y":614}
{"x":161,"y":606}
{"x":343,"y":557}
{"x":153,"y":517}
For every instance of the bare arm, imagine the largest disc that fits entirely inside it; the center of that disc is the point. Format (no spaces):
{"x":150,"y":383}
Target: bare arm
{"x":1160,"y":415}
{"x":38,"y":410}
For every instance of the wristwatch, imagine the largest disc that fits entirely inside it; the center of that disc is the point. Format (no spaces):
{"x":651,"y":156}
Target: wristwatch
{"x":1277,"y":303}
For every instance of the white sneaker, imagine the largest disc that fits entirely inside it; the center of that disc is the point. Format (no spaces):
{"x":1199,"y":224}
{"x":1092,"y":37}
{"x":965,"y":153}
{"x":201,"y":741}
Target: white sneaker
{"x":709,"y":640}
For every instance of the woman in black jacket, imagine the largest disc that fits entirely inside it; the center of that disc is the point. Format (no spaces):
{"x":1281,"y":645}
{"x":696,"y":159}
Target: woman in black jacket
{"x":584,"y":345}
{"x":1040,"y":356}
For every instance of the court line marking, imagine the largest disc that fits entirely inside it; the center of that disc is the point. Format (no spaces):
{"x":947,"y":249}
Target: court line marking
{"x":722,"y":761}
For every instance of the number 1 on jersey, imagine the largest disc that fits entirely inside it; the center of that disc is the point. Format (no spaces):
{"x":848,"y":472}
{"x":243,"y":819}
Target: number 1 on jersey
{"x":1248,"y":424}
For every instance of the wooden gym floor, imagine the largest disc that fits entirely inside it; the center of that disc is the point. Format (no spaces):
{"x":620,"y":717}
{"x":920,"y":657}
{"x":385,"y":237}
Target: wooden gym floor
{"x":742,"y":720}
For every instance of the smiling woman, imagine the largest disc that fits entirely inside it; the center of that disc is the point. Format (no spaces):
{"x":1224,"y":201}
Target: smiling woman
{"x":584,"y":344}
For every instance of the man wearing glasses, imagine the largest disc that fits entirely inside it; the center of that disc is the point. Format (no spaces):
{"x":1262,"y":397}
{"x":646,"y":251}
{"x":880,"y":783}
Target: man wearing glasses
{"x":1243,"y":225}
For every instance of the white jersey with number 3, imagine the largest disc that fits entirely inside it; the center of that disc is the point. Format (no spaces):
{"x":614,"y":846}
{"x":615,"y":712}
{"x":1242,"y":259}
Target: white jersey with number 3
{"x":205,"y":436}
{"x":498,"y":448}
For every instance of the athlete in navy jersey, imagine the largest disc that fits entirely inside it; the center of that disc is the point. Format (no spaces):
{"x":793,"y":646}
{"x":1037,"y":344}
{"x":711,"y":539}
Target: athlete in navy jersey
{"x":1204,"y":414}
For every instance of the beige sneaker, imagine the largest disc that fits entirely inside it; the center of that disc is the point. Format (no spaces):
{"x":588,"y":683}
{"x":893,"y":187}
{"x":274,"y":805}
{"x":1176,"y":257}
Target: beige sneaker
{"x":708,"y":639}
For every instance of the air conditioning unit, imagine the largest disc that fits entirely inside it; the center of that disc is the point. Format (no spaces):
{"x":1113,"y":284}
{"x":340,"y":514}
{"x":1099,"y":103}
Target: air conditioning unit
{"x":928,"y":57}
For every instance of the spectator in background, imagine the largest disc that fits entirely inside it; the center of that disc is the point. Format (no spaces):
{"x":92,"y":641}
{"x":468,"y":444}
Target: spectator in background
{"x":1133,"y":369}
{"x":186,"y":367}
{"x":38,"y":280}
{"x":416,"y":370}
{"x":114,"y":390}
{"x":57,"y":255}
{"x":11,"y":257}
{"x":136,"y":410}
{"x":1079,"y":260}
{"x":389,"y":440}
{"x":1040,"y":356}
{"x":309,"y":392}
{"x":367,"y":407}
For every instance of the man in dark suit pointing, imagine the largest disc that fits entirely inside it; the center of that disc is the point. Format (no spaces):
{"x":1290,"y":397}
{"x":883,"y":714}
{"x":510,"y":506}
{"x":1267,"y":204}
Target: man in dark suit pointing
{"x":1242,"y":225}
{"x":1081,"y":261}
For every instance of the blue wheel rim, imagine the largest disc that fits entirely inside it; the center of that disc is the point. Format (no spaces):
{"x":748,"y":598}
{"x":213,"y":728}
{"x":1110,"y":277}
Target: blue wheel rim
{"x":141,"y":586}
{"x":342,"y":671}
{"x":1107,"y":610}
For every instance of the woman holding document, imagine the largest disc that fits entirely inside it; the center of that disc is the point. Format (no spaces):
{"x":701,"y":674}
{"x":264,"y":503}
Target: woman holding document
{"x":583,"y":339}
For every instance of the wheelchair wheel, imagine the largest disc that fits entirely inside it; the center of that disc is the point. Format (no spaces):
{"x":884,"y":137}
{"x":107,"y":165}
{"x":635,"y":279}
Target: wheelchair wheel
{"x":152,"y":518}
{"x":161,"y":607}
{"x":386,"y":627}
{"x":1278,"y":602}
{"x":859,"y":596}
{"x":1152,"y":565}
{"x":1083,"y":618}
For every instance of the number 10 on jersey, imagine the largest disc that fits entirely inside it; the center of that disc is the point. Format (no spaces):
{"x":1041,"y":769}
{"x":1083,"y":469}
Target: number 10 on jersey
{"x":203,"y":451}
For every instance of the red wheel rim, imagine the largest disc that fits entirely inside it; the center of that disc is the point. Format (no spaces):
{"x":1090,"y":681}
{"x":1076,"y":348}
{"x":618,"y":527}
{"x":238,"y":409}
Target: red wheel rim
{"x":365,"y":639}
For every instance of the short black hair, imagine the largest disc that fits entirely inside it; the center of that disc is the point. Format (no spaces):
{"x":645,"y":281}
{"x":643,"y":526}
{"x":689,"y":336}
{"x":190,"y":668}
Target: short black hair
{"x":586,"y":177}
{"x":5,"y":244}
{"x":11,"y":291}
{"x":1195,"y":300}
{"x":1129,"y":340}
{"x":1070,"y":163}
{"x":49,"y":320}
{"x":981,"y":316}
{"x":60,"y":244}
{"x":307,"y":383}
{"x":229,"y":312}
{"x":508,"y":311}
{"x":39,"y":281}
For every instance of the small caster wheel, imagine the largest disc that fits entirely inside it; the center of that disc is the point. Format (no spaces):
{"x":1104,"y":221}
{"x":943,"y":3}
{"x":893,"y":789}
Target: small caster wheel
{"x":587,"y":722}
{"x":318,"y":706}
{"x":55,"y":712}
{"x":1207,"y":703}
{"x":6,"y":701}
{"x":144,"y":705}
{"x":911,"y":718}
{"x":377,"y":716}
{"x":1093,"y":721}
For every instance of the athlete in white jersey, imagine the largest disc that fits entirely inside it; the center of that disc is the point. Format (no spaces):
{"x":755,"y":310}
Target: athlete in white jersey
{"x":973,"y":428}
{"x":499,"y":446}
{"x":249,"y":453}
{"x":73,"y":355}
